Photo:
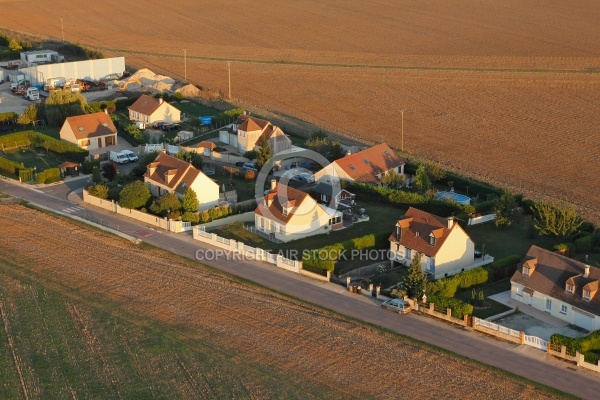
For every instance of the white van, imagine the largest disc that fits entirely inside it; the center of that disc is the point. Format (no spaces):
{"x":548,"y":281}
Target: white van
{"x":119,"y":157}
{"x":32,"y":94}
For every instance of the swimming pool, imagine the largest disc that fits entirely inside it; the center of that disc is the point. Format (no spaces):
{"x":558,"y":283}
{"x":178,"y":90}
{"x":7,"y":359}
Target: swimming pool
{"x":453,"y":196}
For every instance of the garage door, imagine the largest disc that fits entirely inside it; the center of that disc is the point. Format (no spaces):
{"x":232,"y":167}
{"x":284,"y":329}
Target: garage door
{"x":583,"y":321}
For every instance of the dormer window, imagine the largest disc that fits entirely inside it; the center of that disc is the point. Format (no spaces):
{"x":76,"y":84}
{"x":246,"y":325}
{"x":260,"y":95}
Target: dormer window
{"x":586,"y":294}
{"x":285,"y":211}
{"x":526,"y":271}
{"x":432,"y":240}
{"x":416,"y":234}
{"x":351,"y":167}
{"x":81,"y":129}
{"x":570,"y":288}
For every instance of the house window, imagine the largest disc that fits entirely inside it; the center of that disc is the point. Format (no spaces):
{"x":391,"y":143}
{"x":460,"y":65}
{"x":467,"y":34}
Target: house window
{"x":432,"y":240}
{"x":324,"y":197}
{"x":526,"y":271}
{"x":586,"y":294}
{"x":281,"y":229}
{"x":285,"y":212}
{"x":431,"y":265}
{"x":563,"y":309}
{"x":408,"y":253}
{"x":351,"y":167}
{"x":548,"y":305}
{"x":570,"y":288}
{"x":85,"y":142}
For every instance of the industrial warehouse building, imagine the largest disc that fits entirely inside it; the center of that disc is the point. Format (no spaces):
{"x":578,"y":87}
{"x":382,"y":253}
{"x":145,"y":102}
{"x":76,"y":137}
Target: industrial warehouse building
{"x":91,"y":70}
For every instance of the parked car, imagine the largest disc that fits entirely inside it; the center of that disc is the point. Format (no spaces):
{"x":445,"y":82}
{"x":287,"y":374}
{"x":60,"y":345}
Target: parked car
{"x":159,"y":125}
{"x":240,"y":164}
{"x":130,"y":155}
{"x":249,"y":166}
{"x":170,"y":127}
{"x":305,"y":177}
{"x":119,"y":157}
{"x":396,"y":305}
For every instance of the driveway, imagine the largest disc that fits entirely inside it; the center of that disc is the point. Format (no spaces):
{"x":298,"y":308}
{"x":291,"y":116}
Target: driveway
{"x":534,"y":322}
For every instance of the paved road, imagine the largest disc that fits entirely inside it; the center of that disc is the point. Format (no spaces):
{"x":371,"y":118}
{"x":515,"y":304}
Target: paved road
{"x":520,"y":360}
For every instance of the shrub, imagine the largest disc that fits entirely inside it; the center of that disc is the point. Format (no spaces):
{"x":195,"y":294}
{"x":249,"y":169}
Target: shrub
{"x":363,"y":242}
{"x":167,"y":203}
{"x":192,"y":217}
{"x":565,"y":249}
{"x":122,"y":104}
{"x":459,"y":308}
{"x":134,"y":195}
{"x":88,"y":166}
{"x":584,"y":345}
{"x":39,"y":140}
{"x":585,"y":244}
{"x":446,"y":287}
{"x":98,"y":190}
{"x":49,"y":175}
{"x":9,"y":117}
{"x":502,"y":263}
{"x":251,"y":155}
{"x":10,"y":167}
{"x":473,"y":277}
{"x":135,"y":133}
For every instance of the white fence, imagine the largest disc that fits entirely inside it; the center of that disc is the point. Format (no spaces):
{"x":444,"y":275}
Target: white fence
{"x":536,"y":342}
{"x":495,"y":327}
{"x":480,"y":219}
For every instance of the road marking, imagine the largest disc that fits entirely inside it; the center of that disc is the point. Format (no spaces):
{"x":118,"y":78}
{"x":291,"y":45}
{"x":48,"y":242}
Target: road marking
{"x":36,"y":190}
{"x":73,"y":209}
{"x":143,"y":233}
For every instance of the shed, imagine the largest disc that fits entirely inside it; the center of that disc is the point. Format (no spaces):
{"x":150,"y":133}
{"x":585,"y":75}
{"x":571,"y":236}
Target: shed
{"x":185,"y":135}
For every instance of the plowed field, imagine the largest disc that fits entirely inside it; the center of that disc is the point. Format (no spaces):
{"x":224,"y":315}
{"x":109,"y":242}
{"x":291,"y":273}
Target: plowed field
{"x":504,"y":90}
{"x":88,"y":315}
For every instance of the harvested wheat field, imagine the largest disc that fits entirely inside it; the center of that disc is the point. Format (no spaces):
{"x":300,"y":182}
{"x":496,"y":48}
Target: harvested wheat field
{"x":503,"y":90}
{"x":88,"y":315}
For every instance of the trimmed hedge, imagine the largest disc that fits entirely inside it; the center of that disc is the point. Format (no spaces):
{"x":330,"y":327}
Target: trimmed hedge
{"x":585,"y":345}
{"x":9,"y":117}
{"x":10,"y":167}
{"x":459,"y":308}
{"x":585,"y":244}
{"x":49,"y":175}
{"x":476,"y":188}
{"x":325,"y":258}
{"x":447,"y":287}
{"x":32,"y":138}
{"x":88,"y":166}
{"x":122,"y":104}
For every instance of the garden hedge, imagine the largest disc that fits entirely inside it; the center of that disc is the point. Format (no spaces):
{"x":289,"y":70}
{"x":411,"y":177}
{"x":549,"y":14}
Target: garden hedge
{"x":587,"y":345}
{"x":70,"y":151}
{"x":49,"y":175}
{"x":585,"y":244}
{"x":9,"y":117}
{"x":10,"y":167}
{"x":459,"y":308}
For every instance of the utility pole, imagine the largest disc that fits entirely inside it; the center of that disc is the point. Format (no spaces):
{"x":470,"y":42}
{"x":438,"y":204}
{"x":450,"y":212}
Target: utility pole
{"x":62,"y":29}
{"x":229,"y":78}
{"x":402,"y":140}
{"x":185,"y":64}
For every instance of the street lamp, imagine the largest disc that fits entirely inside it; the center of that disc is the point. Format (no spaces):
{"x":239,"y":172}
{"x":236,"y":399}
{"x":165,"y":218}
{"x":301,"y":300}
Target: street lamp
{"x":402,"y":140}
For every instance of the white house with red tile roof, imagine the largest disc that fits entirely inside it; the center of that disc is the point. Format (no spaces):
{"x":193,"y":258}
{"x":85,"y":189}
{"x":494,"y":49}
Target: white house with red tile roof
{"x":167,"y":174}
{"x":149,"y":110}
{"x":567,"y":289}
{"x":287,"y":214}
{"x":247,"y":133}
{"x":90,"y":131}
{"x":445,"y":248}
{"x":367,"y":166}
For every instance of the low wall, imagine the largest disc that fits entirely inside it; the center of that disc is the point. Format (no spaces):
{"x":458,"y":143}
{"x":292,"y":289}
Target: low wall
{"x":447,"y":316}
{"x":481,"y":219}
{"x":160,"y":223}
{"x":232,"y":219}
{"x":316,"y":276}
{"x":239,"y":249}
{"x":583,"y":364}
{"x":499,"y":331}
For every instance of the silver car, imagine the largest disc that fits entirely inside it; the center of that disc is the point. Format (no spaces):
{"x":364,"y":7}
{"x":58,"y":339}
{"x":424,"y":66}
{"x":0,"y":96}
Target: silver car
{"x":396,"y":305}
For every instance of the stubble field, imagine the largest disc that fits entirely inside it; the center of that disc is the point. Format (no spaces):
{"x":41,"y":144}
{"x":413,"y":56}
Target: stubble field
{"x":503,"y":90}
{"x":78,"y":321}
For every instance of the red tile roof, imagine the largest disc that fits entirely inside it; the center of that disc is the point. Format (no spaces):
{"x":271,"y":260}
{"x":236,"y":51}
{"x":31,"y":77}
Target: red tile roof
{"x":551,"y":274}
{"x":145,"y":105}
{"x":91,"y":125}
{"x":250,"y":124}
{"x":365,"y":165}
{"x":415,"y":228}
{"x":276,"y":199}
{"x":181,"y":173}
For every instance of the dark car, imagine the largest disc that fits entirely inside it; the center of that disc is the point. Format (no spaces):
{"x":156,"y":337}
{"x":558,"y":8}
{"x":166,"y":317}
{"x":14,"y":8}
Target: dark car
{"x":159,"y":125}
{"x":240,"y":164}
{"x":170,"y":127}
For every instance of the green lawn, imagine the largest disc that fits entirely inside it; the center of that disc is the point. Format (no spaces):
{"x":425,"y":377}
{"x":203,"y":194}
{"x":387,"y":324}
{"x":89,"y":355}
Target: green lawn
{"x":488,"y":290}
{"x":245,"y":188}
{"x":195,"y":109}
{"x":502,"y":242}
{"x":31,"y":158}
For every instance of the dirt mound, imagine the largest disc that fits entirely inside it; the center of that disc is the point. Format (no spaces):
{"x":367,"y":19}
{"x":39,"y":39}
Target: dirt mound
{"x":189,"y":91}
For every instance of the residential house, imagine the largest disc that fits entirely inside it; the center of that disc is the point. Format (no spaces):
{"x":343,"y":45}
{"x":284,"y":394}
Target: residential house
{"x":167,"y":174}
{"x":367,"y":166}
{"x":287,"y":214}
{"x":90,"y":131}
{"x":247,"y":133}
{"x":561,"y":286}
{"x":149,"y":110}
{"x":333,"y":195}
{"x":203,"y":148}
{"x":445,"y":248}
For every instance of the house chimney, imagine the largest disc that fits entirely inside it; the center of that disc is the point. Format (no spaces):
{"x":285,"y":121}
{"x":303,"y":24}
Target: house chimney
{"x":106,"y":111}
{"x":160,"y":100}
{"x":398,"y":232}
{"x":273,"y":183}
{"x":450,"y":222}
{"x":587,"y":271}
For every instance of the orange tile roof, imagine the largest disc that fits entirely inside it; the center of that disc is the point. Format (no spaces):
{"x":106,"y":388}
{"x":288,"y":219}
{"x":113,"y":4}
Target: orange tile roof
{"x":182,"y":174}
{"x":250,"y":124}
{"x":145,"y":105}
{"x":91,"y":125}
{"x":365,"y":165}
{"x":282,"y":195}
{"x":416,"y":226}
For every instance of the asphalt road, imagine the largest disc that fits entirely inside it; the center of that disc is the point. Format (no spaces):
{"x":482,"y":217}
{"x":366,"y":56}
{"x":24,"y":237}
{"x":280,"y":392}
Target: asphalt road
{"x":520,"y":360}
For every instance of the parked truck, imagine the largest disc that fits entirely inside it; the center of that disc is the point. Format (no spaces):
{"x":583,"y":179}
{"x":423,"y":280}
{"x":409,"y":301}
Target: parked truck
{"x":118,"y":157}
{"x":32,"y":93}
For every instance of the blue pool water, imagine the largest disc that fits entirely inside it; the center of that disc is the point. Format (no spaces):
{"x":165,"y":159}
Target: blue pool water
{"x":453,"y":196}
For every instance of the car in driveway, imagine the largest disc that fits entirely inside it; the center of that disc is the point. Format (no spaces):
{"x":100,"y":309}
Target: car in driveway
{"x":131,"y":156}
{"x":397,"y":305}
{"x":170,"y":127}
{"x":119,"y":157}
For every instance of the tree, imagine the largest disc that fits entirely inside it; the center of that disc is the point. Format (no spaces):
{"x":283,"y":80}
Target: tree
{"x":62,"y":104}
{"x":190,"y":201}
{"x":14,"y":45}
{"x":435,"y":172}
{"x":134,"y":195}
{"x":251,"y":154}
{"x":193,"y":158}
{"x":29,"y":115}
{"x":393,"y":179}
{"x":422,"y":181}
{"x":504,"y":207}
{"x":559,"y":220}
{"x":415,"y":281}
{"x":264,"y":153}
{"x":99,"y":190}
{"x":96,"y":177}
{"x":166,"y":204}
{"x":109,"y":171}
